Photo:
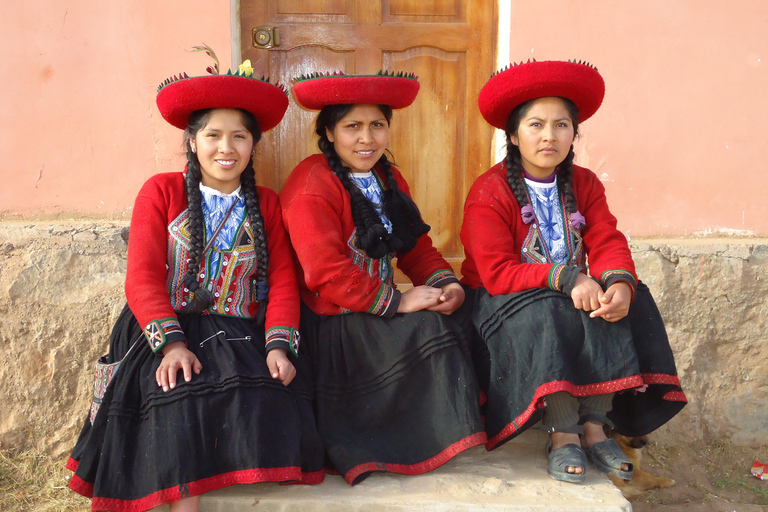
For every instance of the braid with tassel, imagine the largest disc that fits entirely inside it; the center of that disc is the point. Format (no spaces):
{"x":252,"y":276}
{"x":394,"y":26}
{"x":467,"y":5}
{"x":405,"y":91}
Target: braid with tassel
{"x":253,"y":207}
{"x":400,"y":209}
{"x":372,"y":235}
{"x":373,"y":238}
{"x":201,"y":298}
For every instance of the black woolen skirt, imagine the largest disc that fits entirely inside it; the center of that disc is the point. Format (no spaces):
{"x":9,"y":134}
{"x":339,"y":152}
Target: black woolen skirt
{"x":391,"y":394}
{"x":539,"y":343}
{"x":231,"y":424}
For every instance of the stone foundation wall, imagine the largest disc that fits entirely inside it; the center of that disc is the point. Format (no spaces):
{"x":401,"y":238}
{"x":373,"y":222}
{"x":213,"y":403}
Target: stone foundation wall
{"x":61,"y":289}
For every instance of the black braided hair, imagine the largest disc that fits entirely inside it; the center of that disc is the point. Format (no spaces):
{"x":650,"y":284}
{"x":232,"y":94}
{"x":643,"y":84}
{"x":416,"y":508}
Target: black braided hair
{"x":402,"y":212}
{"x":253,"y":207}
{"x":514,"y":164}
{"x":202,"y":298}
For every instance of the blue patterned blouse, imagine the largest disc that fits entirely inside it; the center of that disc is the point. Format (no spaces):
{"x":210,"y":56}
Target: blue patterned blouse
{"x":369,"y":186}
{"x":545,"y":199}
{"x":215,"y":207}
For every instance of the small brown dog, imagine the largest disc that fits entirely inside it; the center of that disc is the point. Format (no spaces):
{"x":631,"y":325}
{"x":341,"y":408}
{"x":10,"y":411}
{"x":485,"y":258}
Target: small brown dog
{"x":641,"y":481}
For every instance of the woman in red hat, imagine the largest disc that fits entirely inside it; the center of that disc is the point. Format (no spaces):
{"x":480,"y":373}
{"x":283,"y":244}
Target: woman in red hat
{"x":574,"y":339}
{"x":210,"y":395}
{"x":394,"y":386}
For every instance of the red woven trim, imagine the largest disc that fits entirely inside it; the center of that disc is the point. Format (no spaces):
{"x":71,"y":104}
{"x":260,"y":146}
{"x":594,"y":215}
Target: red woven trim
{"x":600,"y":388}
{"x":661,"y":378}
{"x":308,"y":479}
{"x":72,"y":464}
{"x":676,"y":396}
{"x":246,"y":476}
{"x":421,"y":467}
{"x":81,"y":487}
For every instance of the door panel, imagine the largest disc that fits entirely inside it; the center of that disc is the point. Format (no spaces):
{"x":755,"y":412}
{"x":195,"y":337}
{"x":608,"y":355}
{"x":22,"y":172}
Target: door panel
{"x":440,"y":143}
{"x":424,"y":11}
{"x":437,"y":113}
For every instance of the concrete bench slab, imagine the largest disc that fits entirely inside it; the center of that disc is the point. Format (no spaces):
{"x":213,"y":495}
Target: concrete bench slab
{"x":510,"y":478}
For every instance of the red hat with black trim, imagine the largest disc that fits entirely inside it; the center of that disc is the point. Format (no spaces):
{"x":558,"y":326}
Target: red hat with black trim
{"x":578,"y":81}
{"x":395,"y":89}
{"x":179,"y":96}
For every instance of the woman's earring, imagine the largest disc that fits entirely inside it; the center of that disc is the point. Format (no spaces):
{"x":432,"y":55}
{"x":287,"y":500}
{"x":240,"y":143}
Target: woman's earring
{"x":253,"y":153}
{"x":193,"y":148}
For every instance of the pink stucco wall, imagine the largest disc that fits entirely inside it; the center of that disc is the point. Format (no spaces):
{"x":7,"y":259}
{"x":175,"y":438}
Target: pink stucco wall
{"x":679,"y":140}
{"x":80,"y":131}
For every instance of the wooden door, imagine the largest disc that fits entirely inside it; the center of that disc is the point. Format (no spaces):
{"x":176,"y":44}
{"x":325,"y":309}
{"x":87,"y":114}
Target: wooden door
{"x":440,"y":143}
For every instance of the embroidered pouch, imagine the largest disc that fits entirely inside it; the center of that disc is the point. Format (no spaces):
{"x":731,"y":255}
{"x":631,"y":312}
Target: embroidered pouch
{"x":102,"y":376}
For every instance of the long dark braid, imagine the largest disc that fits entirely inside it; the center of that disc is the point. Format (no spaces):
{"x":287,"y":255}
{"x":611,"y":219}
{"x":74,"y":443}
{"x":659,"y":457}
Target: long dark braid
{"x":372,"y":235}
{"x":402,"y":211}
{"x":253,"y":206}
{"x":373,"y":238}
{"x":202,"y":298}
{"x":514,"y":163}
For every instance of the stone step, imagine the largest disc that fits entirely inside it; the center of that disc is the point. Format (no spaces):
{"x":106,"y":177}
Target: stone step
{"x":510,"y":478}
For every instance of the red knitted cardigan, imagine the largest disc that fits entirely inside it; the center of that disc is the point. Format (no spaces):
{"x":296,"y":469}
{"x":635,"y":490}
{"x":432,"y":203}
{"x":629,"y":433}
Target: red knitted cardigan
{"x":336,"y":276}
{"x":494,"y":236}
{"x":157,"y":262}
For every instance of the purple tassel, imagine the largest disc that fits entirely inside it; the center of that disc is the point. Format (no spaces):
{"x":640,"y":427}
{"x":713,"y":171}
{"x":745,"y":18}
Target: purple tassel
{"x":526,"y":212}
{"x":577,"y":220}
{"x":262,"y":291}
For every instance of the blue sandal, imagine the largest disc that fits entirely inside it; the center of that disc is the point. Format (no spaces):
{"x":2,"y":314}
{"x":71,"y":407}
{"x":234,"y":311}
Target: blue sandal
{"x":607,"y":457}
{"x":559,"y":459}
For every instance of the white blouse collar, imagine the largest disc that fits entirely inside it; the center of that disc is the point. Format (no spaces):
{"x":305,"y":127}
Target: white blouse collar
{"x":213,"y":192}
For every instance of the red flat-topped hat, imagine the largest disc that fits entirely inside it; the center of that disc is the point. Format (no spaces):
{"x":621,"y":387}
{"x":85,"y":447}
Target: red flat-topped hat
{"x":395,"y":89}
{"x":179,"y":96}
{"x":578,"y":81}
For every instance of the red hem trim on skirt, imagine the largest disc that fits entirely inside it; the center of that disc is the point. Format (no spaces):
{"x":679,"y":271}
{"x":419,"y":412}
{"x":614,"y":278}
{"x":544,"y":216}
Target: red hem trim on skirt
{"x":246,"y":476}
{"x":81,"y":487}
{"x":675,"y":396}
{"x":72,"y":464}
{"x":600,"y":388}
{"x":421,"y":467}
{"x":661,"y":378}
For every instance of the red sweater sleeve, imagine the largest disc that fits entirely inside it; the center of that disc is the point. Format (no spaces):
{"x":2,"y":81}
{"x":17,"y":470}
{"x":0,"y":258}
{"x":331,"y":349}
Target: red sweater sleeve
{"x":491,"y":234}
{"x":283,"y":310}
{"x":147,"y":274}
{"x":316,"y":212}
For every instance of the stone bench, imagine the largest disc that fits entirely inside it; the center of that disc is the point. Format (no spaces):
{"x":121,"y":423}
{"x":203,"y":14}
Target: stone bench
{"x":511,"y":478}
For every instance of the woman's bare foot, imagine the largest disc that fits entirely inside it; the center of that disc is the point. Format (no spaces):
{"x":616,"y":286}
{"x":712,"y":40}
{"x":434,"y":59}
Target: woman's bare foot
{"x":594,"y":433}
{"x":560,"y":439}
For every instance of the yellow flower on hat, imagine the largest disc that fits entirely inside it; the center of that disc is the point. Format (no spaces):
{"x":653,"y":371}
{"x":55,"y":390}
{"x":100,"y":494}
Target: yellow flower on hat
{"x":245,"y":68}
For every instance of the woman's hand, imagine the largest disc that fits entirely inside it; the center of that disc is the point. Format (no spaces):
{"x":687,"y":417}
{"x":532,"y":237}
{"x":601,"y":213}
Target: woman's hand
{"x":450,"y":300}
{"x":418,"y":298}
{"x":586,"y":294}
{"x":176,"y":356}
{"x":280,"y":367}
{"x":614,"y":302}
